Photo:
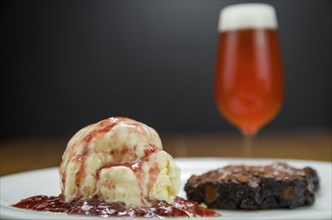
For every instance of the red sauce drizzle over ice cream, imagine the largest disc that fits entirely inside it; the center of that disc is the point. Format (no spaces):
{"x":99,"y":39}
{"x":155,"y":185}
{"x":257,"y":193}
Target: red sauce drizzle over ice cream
{"x":104,"y":127}
{"x":134,"y":165}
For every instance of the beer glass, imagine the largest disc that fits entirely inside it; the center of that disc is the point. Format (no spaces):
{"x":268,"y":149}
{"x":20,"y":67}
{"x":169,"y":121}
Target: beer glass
{"x":249,"y":82}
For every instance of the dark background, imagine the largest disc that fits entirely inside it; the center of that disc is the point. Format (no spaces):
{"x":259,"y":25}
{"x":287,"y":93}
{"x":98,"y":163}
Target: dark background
{"x":67,"y":64}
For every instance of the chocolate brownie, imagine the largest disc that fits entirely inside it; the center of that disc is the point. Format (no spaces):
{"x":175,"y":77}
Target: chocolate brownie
{"x":254,"y":187}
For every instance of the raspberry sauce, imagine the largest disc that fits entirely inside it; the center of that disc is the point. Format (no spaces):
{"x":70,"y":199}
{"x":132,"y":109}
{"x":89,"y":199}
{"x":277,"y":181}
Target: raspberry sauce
{"x":95,"y":207}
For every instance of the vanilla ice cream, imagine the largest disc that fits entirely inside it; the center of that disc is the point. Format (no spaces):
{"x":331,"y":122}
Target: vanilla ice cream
{"x":118,"y":160}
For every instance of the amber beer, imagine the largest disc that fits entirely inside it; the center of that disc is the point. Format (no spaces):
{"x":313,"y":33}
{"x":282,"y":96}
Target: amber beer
{"x":249,"y":78}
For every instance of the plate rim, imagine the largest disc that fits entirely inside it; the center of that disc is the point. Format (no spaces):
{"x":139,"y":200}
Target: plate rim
{"x":186,"y":159}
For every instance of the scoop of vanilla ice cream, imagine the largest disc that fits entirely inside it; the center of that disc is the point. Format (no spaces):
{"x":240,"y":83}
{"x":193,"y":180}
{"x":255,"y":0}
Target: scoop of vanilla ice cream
{"x":118,"y":160}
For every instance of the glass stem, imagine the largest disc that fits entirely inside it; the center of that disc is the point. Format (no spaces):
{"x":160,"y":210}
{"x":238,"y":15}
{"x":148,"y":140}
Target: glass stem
{"x":248,"y":145}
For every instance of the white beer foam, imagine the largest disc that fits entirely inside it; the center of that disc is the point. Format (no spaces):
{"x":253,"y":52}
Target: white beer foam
{"x":251,"y":15}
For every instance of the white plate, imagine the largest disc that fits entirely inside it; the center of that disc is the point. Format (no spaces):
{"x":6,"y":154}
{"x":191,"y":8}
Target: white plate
{"x":46,"y":182}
